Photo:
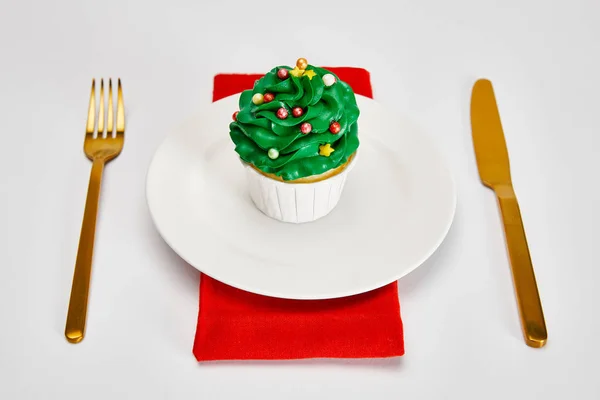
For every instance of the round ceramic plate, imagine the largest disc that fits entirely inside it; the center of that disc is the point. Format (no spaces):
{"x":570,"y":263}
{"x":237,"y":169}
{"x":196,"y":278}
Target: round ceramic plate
{"x":395,"y":210}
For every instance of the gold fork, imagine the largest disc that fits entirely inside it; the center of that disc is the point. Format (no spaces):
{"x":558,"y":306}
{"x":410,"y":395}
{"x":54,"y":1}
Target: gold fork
{"x":100,"y":150}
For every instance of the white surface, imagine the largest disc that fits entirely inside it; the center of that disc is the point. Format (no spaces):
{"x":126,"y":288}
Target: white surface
{"x":396,"y":210}
{"x":463,"y":338}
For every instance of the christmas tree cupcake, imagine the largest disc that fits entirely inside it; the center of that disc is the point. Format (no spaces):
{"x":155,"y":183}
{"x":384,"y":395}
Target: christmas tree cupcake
{"x":296,"y":133}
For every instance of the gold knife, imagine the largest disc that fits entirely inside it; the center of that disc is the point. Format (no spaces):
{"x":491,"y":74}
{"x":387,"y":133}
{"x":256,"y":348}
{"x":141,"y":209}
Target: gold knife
{"x":494,"y":171}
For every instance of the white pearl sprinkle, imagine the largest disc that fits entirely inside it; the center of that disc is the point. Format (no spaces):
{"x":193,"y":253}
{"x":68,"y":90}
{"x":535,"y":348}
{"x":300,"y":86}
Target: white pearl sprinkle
{"x":273,"y":154}
{"x":328,"y":79}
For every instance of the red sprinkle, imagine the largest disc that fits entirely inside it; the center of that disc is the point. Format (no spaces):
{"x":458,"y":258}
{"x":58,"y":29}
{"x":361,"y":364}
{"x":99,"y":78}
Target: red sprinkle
{"x":305,"y":128}
{"x":297,"y":112}
{"x":335,"y":128}
{"x":268,"y":97}
{"x":282,"y":113}
{"x":283,"y":73}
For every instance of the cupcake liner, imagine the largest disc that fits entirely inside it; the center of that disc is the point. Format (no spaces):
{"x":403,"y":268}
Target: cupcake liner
{"x":296,"y":202}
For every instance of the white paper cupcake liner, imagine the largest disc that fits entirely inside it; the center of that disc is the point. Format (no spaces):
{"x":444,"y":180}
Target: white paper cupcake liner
{"x":296,"y":202}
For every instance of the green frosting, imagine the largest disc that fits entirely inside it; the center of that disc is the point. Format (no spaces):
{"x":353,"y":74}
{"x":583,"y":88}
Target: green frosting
{"x":258,"y":129}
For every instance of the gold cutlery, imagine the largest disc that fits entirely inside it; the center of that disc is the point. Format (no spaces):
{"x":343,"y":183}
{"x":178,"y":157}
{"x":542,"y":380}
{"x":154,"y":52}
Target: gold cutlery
{"x":100,"y":149}
{"x":494,"y":171}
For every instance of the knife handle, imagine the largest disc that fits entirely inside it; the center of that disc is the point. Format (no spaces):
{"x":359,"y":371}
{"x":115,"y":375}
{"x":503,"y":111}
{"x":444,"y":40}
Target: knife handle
{"x":528,"y":298}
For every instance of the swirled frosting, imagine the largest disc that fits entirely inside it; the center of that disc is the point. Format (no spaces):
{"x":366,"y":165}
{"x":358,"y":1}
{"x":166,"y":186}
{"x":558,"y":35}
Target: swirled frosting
{"x":257,"y":129}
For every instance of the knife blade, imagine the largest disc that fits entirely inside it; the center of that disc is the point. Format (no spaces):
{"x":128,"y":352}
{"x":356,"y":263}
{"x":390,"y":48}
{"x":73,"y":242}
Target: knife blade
{"x":493,"y":164}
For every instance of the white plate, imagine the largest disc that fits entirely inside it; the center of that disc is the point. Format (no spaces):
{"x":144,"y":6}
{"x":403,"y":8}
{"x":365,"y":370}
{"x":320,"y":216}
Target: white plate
{"x":396,"y":209}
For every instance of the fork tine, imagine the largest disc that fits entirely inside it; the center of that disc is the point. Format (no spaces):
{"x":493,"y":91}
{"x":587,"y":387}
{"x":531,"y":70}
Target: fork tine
{"x":91,"y":119}
{"x":111,"y":118}
{"x":101,"y":112}
{"x":120,"y":111}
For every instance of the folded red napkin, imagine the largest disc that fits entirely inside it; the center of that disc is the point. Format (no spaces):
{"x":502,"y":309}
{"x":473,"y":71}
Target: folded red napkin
{"x":237,"y":325}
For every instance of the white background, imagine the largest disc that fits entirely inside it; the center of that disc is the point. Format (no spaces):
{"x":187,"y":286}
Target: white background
{"x":463,"y":338}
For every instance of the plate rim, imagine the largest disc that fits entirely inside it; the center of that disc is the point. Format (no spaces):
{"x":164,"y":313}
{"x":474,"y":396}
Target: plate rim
{"x":405,"y":272}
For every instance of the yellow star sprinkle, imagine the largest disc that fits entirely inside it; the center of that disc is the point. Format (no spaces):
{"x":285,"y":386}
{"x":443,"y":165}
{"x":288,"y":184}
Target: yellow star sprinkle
{"x":297,"y":72}
{"x":326,"y":150}
{"x":310,"y":73}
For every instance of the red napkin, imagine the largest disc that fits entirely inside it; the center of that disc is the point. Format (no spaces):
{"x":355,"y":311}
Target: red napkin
{"x":237,"y":325}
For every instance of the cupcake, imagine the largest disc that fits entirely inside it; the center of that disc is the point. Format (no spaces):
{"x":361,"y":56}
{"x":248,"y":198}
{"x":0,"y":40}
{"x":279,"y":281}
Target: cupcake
{"x":296,"y":134}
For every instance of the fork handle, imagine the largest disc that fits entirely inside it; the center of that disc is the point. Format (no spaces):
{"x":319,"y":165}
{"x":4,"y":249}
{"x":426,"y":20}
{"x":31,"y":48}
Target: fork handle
{"x":526,"y":290}
{"x":76,"y":317}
